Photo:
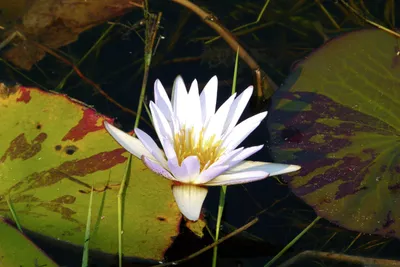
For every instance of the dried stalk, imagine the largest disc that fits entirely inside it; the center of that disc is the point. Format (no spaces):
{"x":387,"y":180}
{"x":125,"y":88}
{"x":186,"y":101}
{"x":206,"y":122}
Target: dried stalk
{"x":310,"y":254}
{"x":263,"y":84}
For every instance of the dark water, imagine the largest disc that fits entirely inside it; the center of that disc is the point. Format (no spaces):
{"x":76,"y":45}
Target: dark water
{"x":276,"y":47}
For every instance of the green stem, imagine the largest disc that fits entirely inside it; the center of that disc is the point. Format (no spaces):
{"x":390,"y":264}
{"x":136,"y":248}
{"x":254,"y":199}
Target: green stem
{"x":218,"y":226}
{"x":292,"y":242}
{"x":152,"y":22}
{"x":13,"y":213}
{"x":63,"y":81}
{"x":245,"y":25}
{"x":120,"y":203}
{"x":85,"y":256}
{"x":222,"y":193}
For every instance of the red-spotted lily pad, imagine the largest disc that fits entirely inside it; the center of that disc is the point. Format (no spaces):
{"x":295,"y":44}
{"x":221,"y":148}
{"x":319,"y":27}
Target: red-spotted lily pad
{"x":338,"y":116}
{"x":52,"y":150}
{"x":17,"y":250}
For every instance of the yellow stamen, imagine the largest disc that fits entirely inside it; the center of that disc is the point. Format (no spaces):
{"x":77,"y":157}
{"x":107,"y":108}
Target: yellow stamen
{"x":207,"y":151}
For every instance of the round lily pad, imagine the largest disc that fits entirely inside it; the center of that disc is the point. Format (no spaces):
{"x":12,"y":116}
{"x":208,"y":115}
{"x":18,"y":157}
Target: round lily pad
{"x":338,"y":116}
{"x":53,"y":149}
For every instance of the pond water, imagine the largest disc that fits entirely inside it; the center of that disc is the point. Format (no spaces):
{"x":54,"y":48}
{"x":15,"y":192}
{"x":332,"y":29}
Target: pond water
{"x":285,"y":35}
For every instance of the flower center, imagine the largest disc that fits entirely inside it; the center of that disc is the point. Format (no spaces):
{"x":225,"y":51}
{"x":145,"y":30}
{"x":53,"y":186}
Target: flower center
{"x":188,"y":143}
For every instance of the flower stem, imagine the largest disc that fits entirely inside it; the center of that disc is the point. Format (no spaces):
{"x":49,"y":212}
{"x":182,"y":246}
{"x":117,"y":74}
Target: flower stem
{"x":223,"y":188}
{"x":218,"y":226}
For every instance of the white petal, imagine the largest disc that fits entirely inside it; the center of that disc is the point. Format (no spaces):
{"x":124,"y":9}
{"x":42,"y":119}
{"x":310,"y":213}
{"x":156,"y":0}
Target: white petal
{"x":216,"y":124}
{"x":228,"y":156}
{"x":237,"y":109}
{"x":180,"y":100}
{"x":162,"y":101}
{"x":130,"y":143}
{"x":190,"y":199}
{"x":250,"y":171}
{"x":161,"y":125}
{"x":242,"y":173}
{"x":278,"y":168}
{"x":155,"y":167}
{"x":169,"y":151}
{"x":220,"y":166}
{"x":194,"y":107}
{"x":210,"y":173}
{"x":187,"y":171}
{"x":151,"y":146}
{"x":208,"y":99}
{"x":242,"y":130}
{"x":244,"y":154}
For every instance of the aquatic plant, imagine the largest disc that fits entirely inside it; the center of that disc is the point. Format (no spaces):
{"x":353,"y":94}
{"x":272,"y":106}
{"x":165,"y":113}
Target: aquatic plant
{"x":199,"y":143}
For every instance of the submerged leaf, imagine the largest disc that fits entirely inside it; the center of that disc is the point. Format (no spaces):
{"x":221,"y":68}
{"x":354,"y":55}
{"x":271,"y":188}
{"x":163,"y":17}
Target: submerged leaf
{"x":338,"y":117}
{"x":57,"y":23}
{"x":52,"y":149}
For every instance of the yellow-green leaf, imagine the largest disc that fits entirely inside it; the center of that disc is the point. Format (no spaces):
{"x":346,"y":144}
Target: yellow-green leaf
{"x":17,"y":250}
{"x":52,"y":149}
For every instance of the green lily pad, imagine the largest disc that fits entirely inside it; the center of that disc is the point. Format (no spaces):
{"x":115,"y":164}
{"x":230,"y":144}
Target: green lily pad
{"x":52,"y":150}
{"x":17,"y":250}
{"x":338,"y":116}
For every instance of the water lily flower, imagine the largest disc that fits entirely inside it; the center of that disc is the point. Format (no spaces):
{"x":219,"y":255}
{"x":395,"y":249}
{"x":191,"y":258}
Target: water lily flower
{"x":199,"y":144}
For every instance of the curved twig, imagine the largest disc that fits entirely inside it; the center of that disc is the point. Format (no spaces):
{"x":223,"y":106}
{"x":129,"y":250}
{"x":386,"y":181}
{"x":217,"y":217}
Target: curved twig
{"x":89,"y":81}
{"x":339,"y":257}
{"x":262,"y":82}
{"x":355,"y":11}
{"x":201,"y":251}
{"x":76,"y":69}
